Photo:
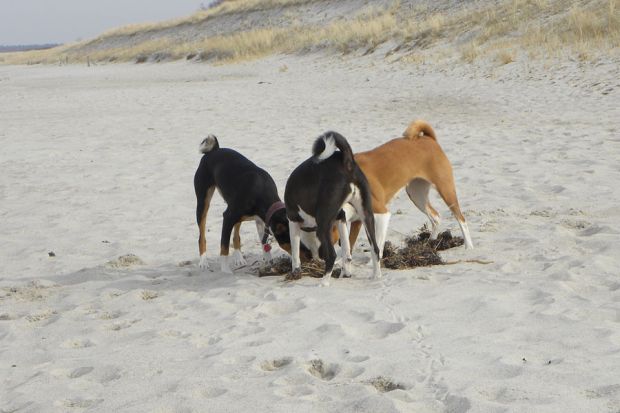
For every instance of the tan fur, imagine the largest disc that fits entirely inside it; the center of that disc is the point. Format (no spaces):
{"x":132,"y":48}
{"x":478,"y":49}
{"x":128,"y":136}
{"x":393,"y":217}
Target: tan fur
{"x":236,"y":237}
{"x":402,"y":162}
{"x":224,"y":250}
{"x":418,"y":129}
{"x":202,"y":240}
{"x":236,"y":228}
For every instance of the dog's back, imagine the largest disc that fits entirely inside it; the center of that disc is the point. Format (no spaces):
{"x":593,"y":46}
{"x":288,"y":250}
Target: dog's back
{"x":317,"y":191}
{"x":232,"y":173}
{"x":326,"y":174}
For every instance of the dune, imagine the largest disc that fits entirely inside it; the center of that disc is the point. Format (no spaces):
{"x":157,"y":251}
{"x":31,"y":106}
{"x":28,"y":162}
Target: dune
{"x":103,"y":307}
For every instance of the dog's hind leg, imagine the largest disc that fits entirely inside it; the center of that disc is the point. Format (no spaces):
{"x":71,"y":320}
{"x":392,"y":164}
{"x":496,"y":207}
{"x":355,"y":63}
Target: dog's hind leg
{"x":230,"y":220}
{"x":295,"y":234}
{"x":381,"y":227}
{"x":418,"y":190}
{"x":369,"y":225}
{"x":237,"y":257}
{"x":328,"y":253}
{"x":364,"y":208}
{"x":446,"y":189}
{"x":356,"y":226}
{"x":202,"y":208}
{"x":345,"y":248}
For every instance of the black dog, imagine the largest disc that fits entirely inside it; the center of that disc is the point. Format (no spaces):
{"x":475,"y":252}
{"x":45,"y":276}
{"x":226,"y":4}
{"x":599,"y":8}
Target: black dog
{"x":250,"y":194}
{"x":315,"y":195}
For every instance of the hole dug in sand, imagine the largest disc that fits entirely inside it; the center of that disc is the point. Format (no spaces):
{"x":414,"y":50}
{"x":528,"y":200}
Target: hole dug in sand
{"x":321,"y":370}
{"x":124,"y":261}
{"x":282,"y":266}
{"x":418,"y":251}
{"x":271,"y":365}
{"x":149,"y":295}
{"x":385,"y":384}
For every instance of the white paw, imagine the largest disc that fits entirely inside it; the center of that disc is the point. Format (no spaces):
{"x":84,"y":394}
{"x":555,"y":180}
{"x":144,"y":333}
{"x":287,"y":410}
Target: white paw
{"x":346,"y":267}
{"x":225,"y":265}
{"x":469,"y":245}
{"x":326,"y":280}
{"x":237,"y":259}
{"x":203,"y":264}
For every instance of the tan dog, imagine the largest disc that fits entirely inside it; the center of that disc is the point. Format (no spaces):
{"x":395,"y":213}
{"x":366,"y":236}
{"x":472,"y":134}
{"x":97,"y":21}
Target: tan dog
{"x":414,"y":161}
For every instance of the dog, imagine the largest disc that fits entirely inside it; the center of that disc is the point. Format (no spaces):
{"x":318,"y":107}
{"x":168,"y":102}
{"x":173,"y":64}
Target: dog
{"x":315,"y":194}
{"x":250,"y":194}
{"x":414,"y":161}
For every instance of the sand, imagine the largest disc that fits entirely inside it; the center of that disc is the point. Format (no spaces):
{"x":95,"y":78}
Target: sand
{"x":96,"y":163}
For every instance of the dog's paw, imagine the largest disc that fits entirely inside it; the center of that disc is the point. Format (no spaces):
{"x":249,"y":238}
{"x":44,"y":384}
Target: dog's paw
{"x":237,"y":259}
{"x":326,"y":280}
{"x":225,"y":265}
{"x":203,"y":264}
{"x":346,"y":268}
{"x":295,"y":274}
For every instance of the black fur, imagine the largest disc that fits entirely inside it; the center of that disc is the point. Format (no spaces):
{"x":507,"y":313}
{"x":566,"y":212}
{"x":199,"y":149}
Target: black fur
{"x":320,"y":187}
{"x":341,"y":143}
{"x":247,"y":189}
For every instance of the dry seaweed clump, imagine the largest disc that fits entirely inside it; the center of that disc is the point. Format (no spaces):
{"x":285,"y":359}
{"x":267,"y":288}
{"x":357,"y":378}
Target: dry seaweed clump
{"x":282,"y":266}
{"x":419,"y":251}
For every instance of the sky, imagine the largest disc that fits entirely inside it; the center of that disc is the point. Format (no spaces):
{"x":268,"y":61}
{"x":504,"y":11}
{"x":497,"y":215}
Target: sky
{"x":62,"y":21}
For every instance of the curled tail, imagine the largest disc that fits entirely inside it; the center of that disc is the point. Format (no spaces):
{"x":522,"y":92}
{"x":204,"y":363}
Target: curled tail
{"x":419,"y":128}
{"x":326,"y":144}
{"x":209,"y":144}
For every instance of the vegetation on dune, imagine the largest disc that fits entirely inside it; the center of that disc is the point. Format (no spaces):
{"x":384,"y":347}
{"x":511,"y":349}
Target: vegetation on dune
{"x":502,"y":31}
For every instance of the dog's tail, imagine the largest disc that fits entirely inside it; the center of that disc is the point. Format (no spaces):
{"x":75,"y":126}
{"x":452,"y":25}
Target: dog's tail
{"x":209,"y":144}
{"x":326,"y":144}
{"x":419,"y":128}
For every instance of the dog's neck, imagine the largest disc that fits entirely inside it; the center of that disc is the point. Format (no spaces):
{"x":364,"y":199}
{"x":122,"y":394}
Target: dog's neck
{"x":276,"y":206}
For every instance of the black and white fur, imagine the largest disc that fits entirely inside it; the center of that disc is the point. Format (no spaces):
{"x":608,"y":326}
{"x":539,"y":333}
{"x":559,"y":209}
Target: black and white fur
{"x":249,"y":192}
{"x":315,"y":195}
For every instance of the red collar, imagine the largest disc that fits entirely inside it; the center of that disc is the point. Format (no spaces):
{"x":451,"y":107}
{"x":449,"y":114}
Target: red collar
{"x":276,"y":206}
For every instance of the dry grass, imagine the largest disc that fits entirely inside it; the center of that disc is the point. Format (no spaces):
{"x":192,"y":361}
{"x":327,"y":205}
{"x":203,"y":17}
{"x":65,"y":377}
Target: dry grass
{"x":53,"y":55}
{"x":537,"y":27}
{"x":226,"y":7}
{"x":365,"y":31}
{"x":470,"y":52}
{"x":417,"y":251}
{"x":551,"y":28}
{"x":506,"y":56}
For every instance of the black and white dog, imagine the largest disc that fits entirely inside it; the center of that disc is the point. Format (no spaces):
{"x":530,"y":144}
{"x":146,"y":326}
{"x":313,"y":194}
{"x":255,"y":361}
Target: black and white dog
{"x":249,"y":192}
{"x":315,"y":195}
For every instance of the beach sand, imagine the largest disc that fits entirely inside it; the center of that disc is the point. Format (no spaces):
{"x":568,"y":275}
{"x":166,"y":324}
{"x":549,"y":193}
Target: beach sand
{"x":97,"y":163}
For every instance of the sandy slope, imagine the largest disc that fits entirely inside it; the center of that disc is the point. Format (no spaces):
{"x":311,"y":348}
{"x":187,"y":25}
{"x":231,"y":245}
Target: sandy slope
{"x":98,"y":162}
